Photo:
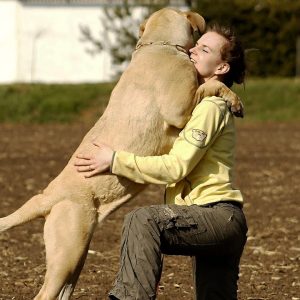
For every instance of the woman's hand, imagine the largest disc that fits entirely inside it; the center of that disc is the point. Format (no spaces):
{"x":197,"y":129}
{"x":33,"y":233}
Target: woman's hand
{"x":94,"y":164}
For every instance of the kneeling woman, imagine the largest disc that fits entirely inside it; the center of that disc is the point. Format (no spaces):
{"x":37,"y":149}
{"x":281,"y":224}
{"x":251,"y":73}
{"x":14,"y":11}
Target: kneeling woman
{"x":203,"y":216}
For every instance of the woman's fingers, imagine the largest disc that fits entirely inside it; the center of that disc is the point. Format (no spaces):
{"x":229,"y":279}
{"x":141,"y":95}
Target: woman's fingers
{"x":92,"y":173}
{"x":94,"y":164}
{"x":84,"y":160}
{"x":83,"y":156}
{"x":82,"y":163}
{"x":95,"y":171}
{"x":85,"y":168}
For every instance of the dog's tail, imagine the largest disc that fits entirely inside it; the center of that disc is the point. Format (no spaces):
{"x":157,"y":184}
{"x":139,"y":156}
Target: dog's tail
{"x":37,"y":206}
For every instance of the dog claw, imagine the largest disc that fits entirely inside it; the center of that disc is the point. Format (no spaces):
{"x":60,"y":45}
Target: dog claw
{"x":237,"y":108}
{"x":238,"y":113}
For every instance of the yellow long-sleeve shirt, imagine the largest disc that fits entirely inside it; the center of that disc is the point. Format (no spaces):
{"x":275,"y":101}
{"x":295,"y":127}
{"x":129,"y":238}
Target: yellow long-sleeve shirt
{"x":198,"y":168}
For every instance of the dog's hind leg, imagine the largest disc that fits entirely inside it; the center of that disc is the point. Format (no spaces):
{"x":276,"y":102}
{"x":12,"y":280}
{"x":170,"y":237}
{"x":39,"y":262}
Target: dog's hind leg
{"x":68,"y":288}
{"x":67,"y":234}
{"x":38,"y":206}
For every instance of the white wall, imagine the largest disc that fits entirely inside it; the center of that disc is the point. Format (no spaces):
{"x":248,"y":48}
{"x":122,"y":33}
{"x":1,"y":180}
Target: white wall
{"x":50,"y":49}
{"x":8,"y":41}
{"x":41,"y":43}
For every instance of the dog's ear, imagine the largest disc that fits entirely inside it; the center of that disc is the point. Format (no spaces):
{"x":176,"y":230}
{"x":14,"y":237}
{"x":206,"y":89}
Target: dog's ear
{"x":197,"y":21}
{"x":142,"y":28}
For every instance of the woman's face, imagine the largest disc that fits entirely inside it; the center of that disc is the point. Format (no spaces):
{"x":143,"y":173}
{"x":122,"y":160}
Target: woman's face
{"x":206,"y":55}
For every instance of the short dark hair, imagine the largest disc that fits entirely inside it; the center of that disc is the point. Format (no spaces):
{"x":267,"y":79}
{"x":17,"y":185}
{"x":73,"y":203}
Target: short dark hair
{"x":233,"y":53}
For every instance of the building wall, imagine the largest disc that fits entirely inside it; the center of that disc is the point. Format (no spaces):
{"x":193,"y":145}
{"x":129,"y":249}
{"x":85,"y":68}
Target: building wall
{"x":8,"y":41}
{"x":50,"y":49}
{"x":40,"y":41}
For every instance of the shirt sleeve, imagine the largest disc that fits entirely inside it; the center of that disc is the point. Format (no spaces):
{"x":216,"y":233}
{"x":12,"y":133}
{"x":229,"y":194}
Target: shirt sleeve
{"x":192,"y":143}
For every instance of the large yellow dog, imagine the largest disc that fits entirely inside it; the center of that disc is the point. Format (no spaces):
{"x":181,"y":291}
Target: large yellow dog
{"x":152,"y":101}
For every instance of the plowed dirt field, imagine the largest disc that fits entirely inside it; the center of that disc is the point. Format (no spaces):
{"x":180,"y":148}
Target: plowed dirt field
{"x":268,"y":173}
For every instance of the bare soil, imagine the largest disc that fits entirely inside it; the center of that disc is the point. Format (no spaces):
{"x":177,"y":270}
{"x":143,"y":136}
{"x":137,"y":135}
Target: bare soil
{"x":268,"y":172}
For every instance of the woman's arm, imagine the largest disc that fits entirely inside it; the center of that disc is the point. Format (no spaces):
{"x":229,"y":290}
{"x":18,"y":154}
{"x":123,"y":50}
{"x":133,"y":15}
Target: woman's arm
{"x":188,"y":149}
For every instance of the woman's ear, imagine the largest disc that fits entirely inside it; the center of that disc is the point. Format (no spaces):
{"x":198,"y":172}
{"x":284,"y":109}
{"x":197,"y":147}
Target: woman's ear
{"x":222,"y":68}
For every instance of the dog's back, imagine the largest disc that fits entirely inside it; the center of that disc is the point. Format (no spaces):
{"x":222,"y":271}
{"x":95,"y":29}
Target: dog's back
{"x":150,"y":104}
{"x":134,"y":121}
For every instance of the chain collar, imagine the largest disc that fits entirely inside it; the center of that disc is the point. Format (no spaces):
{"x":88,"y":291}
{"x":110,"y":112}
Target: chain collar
{"x":162,"y":43}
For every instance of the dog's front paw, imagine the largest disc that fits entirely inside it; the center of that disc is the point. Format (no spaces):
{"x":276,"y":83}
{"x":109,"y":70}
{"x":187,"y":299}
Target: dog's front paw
{"x":236,"y":106}
{"x":217,"y":88}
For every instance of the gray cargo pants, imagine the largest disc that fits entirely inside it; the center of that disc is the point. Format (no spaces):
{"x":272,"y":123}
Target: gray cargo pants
{"x":214,"y":235}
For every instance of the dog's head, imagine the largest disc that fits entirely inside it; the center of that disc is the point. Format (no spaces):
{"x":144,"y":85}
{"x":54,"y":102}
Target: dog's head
{"x":172,"y":25}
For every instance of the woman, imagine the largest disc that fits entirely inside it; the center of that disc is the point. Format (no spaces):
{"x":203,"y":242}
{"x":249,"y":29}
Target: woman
{"x":203,"y":216}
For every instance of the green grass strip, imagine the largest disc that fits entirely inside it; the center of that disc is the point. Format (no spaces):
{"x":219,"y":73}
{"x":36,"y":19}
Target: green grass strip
{"x":41,"y":103}
{"x":271,"y":99}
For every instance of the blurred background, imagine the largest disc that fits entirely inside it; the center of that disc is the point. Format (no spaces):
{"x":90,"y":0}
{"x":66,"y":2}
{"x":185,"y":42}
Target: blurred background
{"x":70,"y":43}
